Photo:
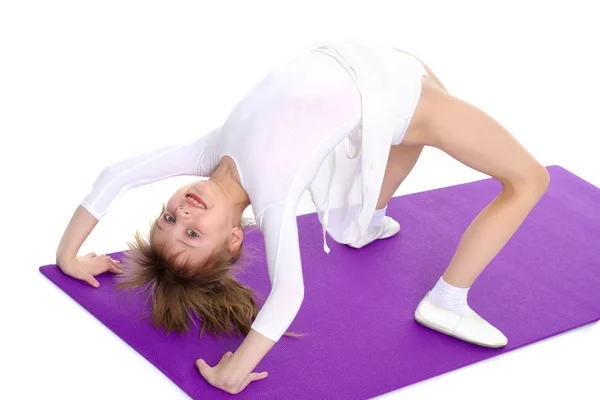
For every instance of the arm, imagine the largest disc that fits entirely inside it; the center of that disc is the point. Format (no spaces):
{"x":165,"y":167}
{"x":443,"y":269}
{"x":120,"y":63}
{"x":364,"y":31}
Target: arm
{"x":198,"y":158}
{"x":195,"y":158}
{"x":279,"y":226}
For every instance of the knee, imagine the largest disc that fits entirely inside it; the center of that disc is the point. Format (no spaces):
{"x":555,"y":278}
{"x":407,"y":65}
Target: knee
{"x":533,"y":183}
{"x":540,"y":180}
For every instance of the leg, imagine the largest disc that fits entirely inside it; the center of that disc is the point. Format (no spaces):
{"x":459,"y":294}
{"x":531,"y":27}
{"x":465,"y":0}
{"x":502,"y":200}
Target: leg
{"x":401,"y":161}
{"x":478,"y":141}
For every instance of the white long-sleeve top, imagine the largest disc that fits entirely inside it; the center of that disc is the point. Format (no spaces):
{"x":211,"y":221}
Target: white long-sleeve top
{"x":298,"y":129}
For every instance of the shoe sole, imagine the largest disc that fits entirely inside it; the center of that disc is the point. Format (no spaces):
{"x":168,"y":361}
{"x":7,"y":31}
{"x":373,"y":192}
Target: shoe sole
{"x":364,"y":245}
{"x":419,"y":318}
{"x":378,"y":238}
{"x":387,"y":236}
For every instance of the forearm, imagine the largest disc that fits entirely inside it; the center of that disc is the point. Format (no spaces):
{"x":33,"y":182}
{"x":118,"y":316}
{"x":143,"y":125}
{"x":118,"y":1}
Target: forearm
{"x":79,"y":228}
{"x":277,"y":313}
{"x":252,"y":350}
{"x":284,"y":301}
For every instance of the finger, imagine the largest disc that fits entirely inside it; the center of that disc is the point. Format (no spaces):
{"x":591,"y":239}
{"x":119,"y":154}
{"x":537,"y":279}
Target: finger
{"x":114,"y":269}
{"x":203,"y":368}
{"x":255,"y":376}
{"x":117,"y":263}
{"x":107,"y":258}
{"x":91,"y":255}
{"x":226,"y":357}
{"x":84,"y":276}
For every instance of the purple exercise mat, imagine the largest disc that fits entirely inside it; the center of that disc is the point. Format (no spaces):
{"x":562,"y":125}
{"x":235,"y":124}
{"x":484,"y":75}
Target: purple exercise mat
{"x":361,"y":337}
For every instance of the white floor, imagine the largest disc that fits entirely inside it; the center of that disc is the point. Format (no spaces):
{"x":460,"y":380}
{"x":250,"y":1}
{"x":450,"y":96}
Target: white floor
{"x":85,"y":84}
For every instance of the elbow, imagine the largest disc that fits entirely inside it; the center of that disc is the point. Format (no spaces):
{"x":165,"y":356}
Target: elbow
{"x":291,"y":294}
{"x":300,"y":299}
{"x":108,"y":172}
{"x":106,"y":176}
{"x":295,"y":295}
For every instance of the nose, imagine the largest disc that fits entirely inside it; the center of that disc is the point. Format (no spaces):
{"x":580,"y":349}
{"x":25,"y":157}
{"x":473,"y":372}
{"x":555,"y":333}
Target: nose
{"x":183,"y":211}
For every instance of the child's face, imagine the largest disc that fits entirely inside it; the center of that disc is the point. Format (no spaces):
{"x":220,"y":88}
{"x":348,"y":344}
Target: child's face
{"x":195,"y":230}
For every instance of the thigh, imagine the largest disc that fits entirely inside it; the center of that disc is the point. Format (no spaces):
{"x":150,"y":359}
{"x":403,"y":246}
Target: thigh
{"x":404,"y":156}
{"x":471,"y":136}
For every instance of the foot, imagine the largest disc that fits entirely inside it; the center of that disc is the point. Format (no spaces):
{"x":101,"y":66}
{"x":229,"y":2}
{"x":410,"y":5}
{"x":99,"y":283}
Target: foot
{"x":389,"y":228}
{"x":469,"y":328}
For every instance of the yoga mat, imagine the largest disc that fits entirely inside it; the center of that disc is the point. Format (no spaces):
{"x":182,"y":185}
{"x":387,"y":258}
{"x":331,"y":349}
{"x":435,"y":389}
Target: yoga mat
{"x":362,"y":340}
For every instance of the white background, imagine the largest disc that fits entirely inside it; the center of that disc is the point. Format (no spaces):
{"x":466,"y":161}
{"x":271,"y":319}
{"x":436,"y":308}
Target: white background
{"x":84,"y":84}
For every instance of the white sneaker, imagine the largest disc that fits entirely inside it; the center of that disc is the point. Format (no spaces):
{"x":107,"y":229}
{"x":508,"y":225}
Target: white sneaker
{"x":389,"y":228}
{"x":470,"y":328}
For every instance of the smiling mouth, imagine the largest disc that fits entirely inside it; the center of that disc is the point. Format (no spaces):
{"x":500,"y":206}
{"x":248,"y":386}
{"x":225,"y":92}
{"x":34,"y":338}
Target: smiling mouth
{"x":195,"y":201}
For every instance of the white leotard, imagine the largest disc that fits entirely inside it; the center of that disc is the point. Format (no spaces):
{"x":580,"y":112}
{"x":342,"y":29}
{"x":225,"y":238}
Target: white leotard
{"x":278,"y":136}
{"x":298,"y":129}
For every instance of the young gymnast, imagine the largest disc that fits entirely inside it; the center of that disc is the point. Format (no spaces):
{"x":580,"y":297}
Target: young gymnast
{"x":346,"y":121}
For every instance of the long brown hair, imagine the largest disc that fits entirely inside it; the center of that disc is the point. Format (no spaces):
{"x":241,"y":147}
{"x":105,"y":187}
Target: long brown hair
{"x":177,"y":288}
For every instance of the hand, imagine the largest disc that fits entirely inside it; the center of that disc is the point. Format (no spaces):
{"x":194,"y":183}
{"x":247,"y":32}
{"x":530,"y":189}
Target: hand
{"x":221,"y":377}
{"x":88,"y":266}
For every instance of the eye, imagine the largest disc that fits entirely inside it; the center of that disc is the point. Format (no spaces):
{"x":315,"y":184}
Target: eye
{"x":191,"y":233}
{"x":169,"y":220}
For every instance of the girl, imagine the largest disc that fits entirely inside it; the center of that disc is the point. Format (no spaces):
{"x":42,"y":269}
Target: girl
{"x":346,"y":121}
